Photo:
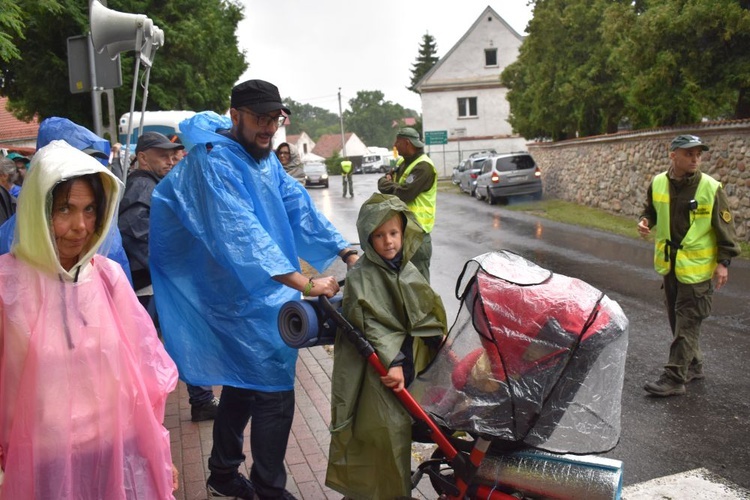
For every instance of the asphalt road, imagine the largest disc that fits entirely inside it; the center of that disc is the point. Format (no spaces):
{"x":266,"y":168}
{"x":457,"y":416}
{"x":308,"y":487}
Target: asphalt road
{"x":706,"y":428}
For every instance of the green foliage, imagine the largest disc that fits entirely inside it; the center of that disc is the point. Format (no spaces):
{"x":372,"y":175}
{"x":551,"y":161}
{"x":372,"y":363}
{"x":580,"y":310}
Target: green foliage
{"x":683,"y":60}
{"x":372,"y":118}
{"x":586,"y":65}
{"x":333,"y":164}
{"x":562,"y":83}
{"x":310,"y":119}
{"x":425,"y":60}
{"x":196,"y":68}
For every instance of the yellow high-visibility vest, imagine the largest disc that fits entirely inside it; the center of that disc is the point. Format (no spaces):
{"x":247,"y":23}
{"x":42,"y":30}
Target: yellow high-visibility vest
{"x":695,"y":260}
{"x":425,"y":203}
{"x":346,"y":166}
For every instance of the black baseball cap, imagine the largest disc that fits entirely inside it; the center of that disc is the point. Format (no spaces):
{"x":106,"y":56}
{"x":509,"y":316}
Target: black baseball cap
{"x":258,"y":95}
{"x":150,"y":140}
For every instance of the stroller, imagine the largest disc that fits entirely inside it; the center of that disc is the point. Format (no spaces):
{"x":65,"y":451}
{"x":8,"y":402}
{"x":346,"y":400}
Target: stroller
{"x":530,"y":376}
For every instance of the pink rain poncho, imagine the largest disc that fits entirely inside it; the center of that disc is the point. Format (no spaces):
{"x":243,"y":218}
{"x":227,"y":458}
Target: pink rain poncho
{"x":83,"y":376}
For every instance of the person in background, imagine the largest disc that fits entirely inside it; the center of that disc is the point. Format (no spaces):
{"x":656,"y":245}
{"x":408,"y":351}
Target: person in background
{"x":224,"y":259}
{"x":22,"y":165}
{"x":57,"y":128}
{"x":415,"y":183}
{"x":84,"y":378}
{"x":287,"y":155}
{"x":178,"y":153}
{"x":346,"y":177}
{"x":694,"y":244}
{"x":392,"y":304}
{"x":8,"y":173}
{"x":155,"y":157}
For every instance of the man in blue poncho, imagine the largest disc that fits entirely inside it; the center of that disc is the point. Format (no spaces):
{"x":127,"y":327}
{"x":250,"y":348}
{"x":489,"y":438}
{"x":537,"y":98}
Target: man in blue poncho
{"x":227,"y":230}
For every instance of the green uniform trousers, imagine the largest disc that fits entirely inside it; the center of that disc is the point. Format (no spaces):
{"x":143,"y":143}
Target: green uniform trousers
{"x":687,"y":306}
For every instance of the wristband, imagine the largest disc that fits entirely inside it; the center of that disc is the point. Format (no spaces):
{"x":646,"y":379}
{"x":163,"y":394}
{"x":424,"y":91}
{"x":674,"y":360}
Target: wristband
{"x":725,"y":262}
{"x":308,"y":288}
{"x":345,"y":257}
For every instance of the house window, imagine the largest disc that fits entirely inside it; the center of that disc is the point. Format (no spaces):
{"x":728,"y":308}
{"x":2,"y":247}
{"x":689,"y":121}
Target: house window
{"x":304,"y":148}
{"x":467,"y":106}
{"x":490,"y":57}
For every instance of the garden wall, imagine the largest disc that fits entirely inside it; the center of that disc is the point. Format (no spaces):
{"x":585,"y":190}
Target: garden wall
{"x":613,"y":172}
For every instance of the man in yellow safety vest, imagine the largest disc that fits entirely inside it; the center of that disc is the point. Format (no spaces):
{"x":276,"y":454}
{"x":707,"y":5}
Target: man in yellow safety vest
{"x":346,"y":177}
{"x":415,"y":183}
{"x":694,"y":242}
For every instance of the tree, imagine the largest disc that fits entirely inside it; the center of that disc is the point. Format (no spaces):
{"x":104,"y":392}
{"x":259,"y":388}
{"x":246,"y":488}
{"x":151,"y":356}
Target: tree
{"x":683,"y":60}
{"x":372,"y":117}
{"x":562,"y":83}
{"x":310,"y":119}
{"x":425,"y":60}
{"x":196,"y":68}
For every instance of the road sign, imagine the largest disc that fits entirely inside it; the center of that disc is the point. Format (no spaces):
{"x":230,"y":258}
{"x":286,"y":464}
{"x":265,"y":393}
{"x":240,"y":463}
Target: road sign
{"x":108,"y":73}
{"x":435,"y":137}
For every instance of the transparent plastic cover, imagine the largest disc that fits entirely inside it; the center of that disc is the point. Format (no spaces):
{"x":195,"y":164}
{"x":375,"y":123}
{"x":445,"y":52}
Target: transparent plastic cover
{"x":534,"y":358}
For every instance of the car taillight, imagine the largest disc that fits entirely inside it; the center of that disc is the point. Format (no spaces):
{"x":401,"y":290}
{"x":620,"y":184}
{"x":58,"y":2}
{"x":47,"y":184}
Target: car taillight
{"x":537,"y":172}
{"x":495,"y":178}
{"x":473,"y":176}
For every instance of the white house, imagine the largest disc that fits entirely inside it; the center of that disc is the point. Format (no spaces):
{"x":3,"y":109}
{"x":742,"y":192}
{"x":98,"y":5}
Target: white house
{"x":462,"y":95}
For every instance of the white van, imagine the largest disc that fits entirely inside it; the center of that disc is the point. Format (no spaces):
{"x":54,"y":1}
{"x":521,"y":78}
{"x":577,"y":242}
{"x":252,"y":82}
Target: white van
{"x":165,"y":122}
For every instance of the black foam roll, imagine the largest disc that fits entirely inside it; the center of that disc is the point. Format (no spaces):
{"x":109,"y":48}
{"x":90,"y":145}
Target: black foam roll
{"x":298,"y":324}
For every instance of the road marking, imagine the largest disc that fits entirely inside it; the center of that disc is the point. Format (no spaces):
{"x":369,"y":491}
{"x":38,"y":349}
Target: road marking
{"x":697,"y":484}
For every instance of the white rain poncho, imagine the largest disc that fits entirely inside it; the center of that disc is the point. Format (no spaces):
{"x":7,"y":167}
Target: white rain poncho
{"x":83,"y":376}
{"x":222,"y":226}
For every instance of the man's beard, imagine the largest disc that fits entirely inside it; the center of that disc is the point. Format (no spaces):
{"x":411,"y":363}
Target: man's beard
{"x":257,"y":152}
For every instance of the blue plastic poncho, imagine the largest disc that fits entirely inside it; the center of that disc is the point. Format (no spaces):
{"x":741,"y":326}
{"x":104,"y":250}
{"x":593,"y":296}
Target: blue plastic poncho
{"x":56,"y":128}
{"x":222,"y":225}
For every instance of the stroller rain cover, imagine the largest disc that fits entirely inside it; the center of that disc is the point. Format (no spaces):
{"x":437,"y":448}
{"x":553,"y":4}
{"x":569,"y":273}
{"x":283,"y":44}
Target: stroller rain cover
{"x":534,"y":358}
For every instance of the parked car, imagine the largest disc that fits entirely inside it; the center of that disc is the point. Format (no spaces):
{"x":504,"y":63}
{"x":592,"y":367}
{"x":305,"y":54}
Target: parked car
{"x":505,"y":175}
{"x":456,"y":171}
{"x":316,"y":174}
{"x":467,"y":179}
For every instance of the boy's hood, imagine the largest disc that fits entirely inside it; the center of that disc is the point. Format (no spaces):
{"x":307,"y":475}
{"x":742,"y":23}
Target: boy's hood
{"x":34,"y":241}
{"x":378,"y":209}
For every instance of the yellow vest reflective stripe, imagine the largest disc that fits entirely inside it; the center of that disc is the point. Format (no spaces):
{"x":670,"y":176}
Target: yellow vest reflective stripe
{"x":695,"y":260}
{"x":423,"y":206}
{"x":346,"y":166}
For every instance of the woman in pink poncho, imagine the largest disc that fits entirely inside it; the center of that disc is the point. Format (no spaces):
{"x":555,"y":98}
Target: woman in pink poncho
{"x":83,"y":376}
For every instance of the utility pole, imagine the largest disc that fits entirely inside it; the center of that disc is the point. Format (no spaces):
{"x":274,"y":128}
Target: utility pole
{"x":341,"y":121}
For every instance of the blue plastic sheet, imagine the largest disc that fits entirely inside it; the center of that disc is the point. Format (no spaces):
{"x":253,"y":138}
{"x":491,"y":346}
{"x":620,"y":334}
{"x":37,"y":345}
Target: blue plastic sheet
{"x":222,"y":226}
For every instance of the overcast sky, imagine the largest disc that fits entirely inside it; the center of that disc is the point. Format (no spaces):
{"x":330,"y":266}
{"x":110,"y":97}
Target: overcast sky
{"x":310,"y":48}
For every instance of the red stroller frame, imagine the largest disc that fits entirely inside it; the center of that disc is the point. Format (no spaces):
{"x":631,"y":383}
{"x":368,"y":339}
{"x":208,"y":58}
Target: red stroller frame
{"x":532,"y":369}
{"x":464,"y":465}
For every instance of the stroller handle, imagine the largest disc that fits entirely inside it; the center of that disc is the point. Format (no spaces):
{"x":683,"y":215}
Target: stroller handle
{"x":459,"y":460}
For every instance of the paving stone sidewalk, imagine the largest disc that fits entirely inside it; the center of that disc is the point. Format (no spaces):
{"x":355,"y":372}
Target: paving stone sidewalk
{"x":307,"y":452}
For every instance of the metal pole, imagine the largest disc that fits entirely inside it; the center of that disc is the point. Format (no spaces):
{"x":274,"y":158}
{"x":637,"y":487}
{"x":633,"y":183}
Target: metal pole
{"x":341,"y":121}
{"x":96,"y":104}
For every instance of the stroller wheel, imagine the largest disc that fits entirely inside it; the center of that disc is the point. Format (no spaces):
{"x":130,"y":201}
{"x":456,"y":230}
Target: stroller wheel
{"x":441,"y":474}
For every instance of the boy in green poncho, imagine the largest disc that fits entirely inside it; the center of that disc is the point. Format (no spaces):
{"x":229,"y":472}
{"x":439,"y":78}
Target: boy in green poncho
{"x":391,"y":303}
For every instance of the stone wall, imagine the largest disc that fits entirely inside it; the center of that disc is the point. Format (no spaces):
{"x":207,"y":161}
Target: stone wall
{"x":613,"y":172}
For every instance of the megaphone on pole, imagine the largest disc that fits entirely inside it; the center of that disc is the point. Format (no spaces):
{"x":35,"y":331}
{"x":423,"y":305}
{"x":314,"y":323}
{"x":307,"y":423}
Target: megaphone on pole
{"x":118,"y":32}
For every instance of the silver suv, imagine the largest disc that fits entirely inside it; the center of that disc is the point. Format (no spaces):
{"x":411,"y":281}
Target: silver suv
{"x":468,"y":171}
{"x":505,"y":175}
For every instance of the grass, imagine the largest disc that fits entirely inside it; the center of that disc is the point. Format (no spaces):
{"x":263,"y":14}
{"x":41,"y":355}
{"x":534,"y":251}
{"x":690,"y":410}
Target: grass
{"x":571,"y":213}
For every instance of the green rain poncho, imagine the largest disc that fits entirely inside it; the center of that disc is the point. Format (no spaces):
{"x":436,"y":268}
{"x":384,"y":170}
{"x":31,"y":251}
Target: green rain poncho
{"x":370,"y":449}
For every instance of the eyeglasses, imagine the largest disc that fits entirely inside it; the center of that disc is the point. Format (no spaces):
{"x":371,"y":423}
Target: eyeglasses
{"x":265,"y":120}
{"x":284,"y":153}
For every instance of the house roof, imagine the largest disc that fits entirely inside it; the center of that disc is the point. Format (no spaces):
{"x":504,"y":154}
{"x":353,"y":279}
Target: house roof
{"x":14,"y":130}
{"x":489,"y":10}
{"x":329,"y":144}
{"x":408,"y":121}
{"x":292,"y":139}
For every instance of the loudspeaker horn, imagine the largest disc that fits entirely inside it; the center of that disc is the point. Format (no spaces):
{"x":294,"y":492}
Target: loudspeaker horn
{"x":117,"y":31}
